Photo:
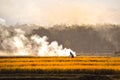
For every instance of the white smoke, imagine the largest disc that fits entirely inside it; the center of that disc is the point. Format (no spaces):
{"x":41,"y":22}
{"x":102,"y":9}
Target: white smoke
{"x":2,"y":21}
{"x":20,"y":45}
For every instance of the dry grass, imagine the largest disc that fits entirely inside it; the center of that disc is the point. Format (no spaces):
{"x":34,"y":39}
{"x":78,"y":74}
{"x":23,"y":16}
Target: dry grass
{"x":62,"y":63}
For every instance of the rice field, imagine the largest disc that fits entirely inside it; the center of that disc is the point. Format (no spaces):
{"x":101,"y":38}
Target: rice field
{"x":106,"y":68}
{"x":62,"y":63}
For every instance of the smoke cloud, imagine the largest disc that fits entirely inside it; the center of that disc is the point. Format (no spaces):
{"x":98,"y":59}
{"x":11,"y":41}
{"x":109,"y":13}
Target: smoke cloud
{"x":15,"y":43}
{"x":2,"y":21}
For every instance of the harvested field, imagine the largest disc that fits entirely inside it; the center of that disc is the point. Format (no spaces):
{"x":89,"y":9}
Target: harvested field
{"x":60,"y":67}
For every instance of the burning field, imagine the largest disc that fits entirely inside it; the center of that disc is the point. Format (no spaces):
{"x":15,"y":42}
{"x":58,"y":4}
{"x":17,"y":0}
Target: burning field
{"x":27,"y":56}
{"x":60,"y":39}
{"x":106,"y":68}
{"x":30,"y":55}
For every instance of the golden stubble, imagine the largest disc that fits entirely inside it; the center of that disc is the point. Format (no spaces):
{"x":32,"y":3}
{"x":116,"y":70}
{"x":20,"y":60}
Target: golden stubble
{"x":63,"y":63}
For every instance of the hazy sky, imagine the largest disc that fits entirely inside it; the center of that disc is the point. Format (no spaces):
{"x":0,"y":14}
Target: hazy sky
{"x":49,"y":12}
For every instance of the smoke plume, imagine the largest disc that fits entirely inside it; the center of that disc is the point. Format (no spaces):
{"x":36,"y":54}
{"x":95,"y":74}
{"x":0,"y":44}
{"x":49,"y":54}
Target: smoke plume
{"x":2,"y":21}
{"x":15,"y":43}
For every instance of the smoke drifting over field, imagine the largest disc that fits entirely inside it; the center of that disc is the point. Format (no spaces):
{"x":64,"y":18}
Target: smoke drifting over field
{"x":26,"y":37}
{"x":85,"y":39}
{"x":15,"y":43}
{"x":36,"y":40}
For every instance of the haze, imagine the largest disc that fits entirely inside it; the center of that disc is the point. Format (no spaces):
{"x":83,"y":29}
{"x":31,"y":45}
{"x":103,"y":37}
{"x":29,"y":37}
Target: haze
{"x":50,"y":12}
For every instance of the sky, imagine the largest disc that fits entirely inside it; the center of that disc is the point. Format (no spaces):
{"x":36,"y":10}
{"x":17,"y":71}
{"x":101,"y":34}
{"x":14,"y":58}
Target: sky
{"x":51,"y":12}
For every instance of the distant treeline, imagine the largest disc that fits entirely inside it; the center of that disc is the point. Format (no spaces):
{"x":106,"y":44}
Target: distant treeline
{"x":81,"y":38}
{"x":84,"y":38}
